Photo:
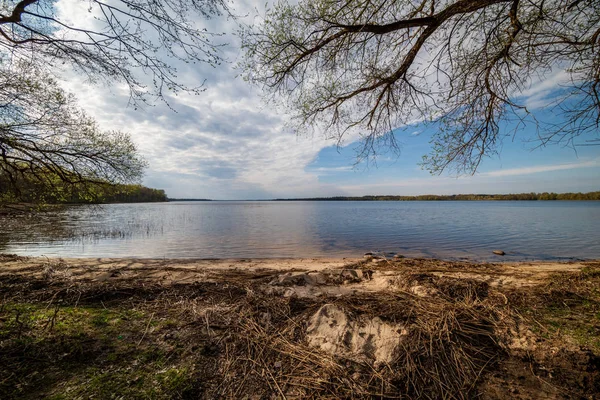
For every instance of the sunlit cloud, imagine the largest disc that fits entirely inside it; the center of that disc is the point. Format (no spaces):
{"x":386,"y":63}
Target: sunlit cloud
{"x":540,"y":168}
{"x":227,"y":143}
{"x":344,"y":168}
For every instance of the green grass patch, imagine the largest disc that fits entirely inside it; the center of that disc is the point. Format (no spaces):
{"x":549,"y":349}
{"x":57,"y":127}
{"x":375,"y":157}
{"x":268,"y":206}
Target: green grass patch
{"x":568,"y":307}
{"x":72,"y":352}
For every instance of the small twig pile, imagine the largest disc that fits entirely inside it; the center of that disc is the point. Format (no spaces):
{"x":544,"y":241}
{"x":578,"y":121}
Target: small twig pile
{"x":449,"y":345}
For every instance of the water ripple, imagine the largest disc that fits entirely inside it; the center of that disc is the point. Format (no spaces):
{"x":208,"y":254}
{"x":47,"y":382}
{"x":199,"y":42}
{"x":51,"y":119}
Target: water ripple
{"x":525,"y":230}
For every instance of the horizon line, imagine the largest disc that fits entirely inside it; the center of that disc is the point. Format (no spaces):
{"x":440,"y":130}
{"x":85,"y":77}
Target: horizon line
{"x":382,"y":195}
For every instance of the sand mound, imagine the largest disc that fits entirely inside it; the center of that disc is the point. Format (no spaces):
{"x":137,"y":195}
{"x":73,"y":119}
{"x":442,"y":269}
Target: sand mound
{"x":325,"y":277}
{"x":363,"y":340}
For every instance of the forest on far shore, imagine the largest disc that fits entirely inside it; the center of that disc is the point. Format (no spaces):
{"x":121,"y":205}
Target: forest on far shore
{"x":463,"y":197}
{"x":88,"y":193}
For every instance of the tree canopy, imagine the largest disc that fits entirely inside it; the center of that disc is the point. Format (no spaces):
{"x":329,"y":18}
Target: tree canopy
{"x":368,"y":67}
{"x":137,"y":42}
{"x":48,"y":146}
{"x":48,"y":143}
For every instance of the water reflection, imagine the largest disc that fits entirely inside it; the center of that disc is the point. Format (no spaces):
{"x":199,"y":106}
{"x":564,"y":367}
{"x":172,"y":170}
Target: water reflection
{"x":34,"y":228}
{"x":525,"y":230}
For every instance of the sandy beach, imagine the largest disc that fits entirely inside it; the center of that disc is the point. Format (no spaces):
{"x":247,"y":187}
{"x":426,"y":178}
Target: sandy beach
{"x":298,"y":328}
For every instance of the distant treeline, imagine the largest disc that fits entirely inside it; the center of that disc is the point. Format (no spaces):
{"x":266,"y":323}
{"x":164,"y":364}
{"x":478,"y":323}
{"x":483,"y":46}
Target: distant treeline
{"x":463,"y":197}
{"x":20,"y":184}
{"x":34,"y":192}
{"x":112,"y":193}
{"x":132,"y":194}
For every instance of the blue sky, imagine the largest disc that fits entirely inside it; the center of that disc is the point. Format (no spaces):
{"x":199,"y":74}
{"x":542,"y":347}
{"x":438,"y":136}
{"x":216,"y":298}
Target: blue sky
{"x":228,"y":143}
{"x":522,"y":165}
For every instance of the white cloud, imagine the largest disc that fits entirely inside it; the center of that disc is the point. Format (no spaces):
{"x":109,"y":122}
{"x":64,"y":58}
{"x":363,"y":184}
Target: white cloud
{"x":227,"y":143}
{"x":345,"y":168}
{"x":224,"y":143}
{"x":543,"y":91}
{"x":538,"y":169}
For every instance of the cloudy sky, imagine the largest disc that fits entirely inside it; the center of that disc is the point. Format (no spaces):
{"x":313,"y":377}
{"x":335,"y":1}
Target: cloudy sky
{"x":227,"y":143}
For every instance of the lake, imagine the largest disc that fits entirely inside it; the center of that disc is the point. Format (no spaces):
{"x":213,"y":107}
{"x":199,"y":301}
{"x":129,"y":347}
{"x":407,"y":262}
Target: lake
{"x":266,"y":229}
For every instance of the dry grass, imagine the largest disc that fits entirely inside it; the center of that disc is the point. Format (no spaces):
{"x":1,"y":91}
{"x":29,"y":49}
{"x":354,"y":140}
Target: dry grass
{"x":450,"y":344}
{"x":62,"y":337}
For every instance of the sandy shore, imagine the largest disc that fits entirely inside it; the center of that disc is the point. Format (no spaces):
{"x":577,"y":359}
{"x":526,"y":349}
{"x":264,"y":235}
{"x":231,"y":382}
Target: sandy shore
{"x":299,"y":328}
{"x":512,"y":274}
{"x":303,"y":277}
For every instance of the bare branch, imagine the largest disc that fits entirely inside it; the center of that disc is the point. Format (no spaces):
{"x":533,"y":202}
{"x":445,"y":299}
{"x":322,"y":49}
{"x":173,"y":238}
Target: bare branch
{"x":372,"y":67}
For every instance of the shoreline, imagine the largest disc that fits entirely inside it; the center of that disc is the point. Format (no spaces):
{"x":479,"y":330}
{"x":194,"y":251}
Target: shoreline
{"x":89,"y":266}
{"x":507,"y":258}
{"x":298,"y":328}
{"x":301,"y":277}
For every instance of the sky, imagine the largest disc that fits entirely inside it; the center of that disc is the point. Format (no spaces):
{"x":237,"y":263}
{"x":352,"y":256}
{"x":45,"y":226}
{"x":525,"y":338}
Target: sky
{"x":230,"y":143}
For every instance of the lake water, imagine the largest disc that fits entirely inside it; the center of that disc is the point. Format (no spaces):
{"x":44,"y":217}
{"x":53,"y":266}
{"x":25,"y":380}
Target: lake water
{"x":253,"y":229}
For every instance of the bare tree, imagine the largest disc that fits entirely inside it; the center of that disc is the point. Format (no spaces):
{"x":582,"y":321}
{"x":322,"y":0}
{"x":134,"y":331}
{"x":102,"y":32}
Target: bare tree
{"x":372,"y":66}
{"x":127,"y":40}
{"x":47,"y":142}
